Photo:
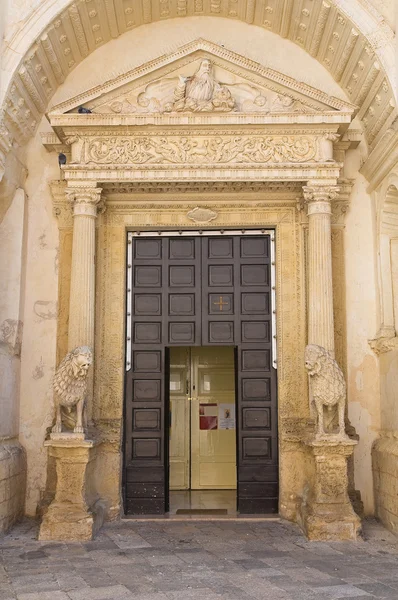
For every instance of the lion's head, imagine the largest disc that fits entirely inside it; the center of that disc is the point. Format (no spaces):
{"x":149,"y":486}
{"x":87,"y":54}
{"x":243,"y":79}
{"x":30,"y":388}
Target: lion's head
{"x":314,"y":357}
{"x":324,"y":371}
{"x":70,"y":379}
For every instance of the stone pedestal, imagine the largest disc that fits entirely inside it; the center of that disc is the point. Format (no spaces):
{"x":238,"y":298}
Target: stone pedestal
{"x":73,"y":514}
{"x":328,"y":513}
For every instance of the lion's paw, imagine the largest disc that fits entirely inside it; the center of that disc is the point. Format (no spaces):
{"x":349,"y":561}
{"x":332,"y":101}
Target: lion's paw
{"x":56,"y":429}
{"x":78,"y":430}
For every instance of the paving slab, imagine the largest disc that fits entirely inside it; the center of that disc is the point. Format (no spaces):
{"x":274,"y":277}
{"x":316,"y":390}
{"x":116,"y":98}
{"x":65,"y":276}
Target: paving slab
{"x":198,"y":560}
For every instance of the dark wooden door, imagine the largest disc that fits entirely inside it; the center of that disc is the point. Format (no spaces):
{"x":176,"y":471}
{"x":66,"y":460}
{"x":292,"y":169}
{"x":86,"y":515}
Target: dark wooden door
{"x":236,"y":309}
{"x":201,"y":291}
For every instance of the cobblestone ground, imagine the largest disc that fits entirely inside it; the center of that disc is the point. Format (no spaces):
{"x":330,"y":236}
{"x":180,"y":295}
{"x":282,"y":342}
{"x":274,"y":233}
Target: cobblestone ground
{"x":198,"y":560}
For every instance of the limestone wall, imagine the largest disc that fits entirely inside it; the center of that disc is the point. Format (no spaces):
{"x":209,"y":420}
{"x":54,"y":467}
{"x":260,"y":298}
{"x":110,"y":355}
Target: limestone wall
{"x":12,"y":458}
{"x":40,"y":319}
{"x":385,"y":449}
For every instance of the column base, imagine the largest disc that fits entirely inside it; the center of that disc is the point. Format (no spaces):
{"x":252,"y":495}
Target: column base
{"x":328,"y":514}
{"x":75,"y":514}
{"x":333,"y":523}
{"x":71,"y":523}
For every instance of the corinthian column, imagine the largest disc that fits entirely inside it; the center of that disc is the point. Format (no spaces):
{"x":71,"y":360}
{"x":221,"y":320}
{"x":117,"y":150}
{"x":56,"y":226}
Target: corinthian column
{"x":73,"y":514}
{"x":86,"y":202}
{"x":327,"y":512}
{"x":318,"y":198}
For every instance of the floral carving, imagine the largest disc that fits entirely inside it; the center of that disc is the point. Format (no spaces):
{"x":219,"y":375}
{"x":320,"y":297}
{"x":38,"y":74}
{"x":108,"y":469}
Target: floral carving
{"x":206,"y":150}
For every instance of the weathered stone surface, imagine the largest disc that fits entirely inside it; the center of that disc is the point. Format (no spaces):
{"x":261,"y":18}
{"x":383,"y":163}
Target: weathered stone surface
{"x":72,"y":514}
{"x":225,"y":560}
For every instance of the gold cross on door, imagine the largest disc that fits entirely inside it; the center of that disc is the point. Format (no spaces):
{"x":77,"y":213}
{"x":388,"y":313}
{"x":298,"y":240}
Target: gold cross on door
{"x":221,"y":303}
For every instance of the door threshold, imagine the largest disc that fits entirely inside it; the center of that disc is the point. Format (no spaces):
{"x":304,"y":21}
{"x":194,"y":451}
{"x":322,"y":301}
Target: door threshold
{"x":201,"y":517}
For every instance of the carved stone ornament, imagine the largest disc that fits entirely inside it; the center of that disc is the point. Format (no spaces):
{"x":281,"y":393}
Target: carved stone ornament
{"x":70,"y":388}
{"x":327,"y":389}
{"x":208,"y":150}
{"x":383,"y":344}
{"x":86,"y":201}
{"x":202,"y":92}
{"x":202,"y":215}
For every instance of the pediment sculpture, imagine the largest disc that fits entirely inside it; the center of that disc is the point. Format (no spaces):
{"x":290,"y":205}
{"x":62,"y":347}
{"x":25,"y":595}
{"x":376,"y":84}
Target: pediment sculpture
{"x":203,"y":92}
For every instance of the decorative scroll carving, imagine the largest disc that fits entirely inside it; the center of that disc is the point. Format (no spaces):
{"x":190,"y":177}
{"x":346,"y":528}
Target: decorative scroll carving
{"x":205,"y":150}
{"x":70,"y":387}
{"x":202,"y":215}
{"x":327,"y":388}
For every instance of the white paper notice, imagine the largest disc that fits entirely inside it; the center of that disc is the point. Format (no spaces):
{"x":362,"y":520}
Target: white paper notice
{"x":226,"y":416}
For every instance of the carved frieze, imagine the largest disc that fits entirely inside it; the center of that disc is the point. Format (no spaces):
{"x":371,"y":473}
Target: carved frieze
{"x":208,"y":150}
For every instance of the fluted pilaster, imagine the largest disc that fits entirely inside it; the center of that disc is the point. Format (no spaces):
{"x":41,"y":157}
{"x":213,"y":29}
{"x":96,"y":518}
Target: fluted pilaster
{"x":86,"y":201}
{"x":320,"y":284}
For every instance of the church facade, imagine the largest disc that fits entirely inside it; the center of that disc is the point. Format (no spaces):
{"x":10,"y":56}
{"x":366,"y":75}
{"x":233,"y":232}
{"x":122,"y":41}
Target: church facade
{"x":199,"y":225}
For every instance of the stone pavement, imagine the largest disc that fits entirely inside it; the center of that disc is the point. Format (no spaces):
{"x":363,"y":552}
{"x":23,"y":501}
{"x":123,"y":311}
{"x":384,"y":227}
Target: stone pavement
{"x":198,"y":560}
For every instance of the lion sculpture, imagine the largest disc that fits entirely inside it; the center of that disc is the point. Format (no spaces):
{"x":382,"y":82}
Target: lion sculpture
{"x":70,"y":387}
{"x":327,"y":386}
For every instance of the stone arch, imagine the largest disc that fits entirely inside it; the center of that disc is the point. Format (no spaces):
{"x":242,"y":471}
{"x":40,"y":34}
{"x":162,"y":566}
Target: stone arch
{"x":343,"y":38}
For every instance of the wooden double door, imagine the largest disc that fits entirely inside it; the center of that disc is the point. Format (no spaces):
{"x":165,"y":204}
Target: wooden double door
{"x":199,"y":290}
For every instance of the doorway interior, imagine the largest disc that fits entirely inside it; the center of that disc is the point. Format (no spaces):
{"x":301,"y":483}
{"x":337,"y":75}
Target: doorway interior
{"x":202,"y":432}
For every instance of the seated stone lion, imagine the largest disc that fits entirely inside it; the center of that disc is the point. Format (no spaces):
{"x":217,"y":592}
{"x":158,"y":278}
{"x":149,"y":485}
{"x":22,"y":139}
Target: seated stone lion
{"x":327,"y":386}
{"x":70,"y":386}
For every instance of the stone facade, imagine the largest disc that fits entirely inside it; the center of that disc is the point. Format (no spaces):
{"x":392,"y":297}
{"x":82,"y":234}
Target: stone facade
{"x":304,"y":140}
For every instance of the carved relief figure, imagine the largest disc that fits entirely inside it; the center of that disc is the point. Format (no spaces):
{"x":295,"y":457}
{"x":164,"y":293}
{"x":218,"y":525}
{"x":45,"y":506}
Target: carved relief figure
{"x":70,"y":387}
{"x":207,"y":90}
{"x":327,"y":387}
{"x":201,"y":92}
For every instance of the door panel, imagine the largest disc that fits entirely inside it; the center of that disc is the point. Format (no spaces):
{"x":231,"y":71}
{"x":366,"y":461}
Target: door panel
{"x":213,"y":451}
{"x":179,"y":434}
{"x":200,"y":291}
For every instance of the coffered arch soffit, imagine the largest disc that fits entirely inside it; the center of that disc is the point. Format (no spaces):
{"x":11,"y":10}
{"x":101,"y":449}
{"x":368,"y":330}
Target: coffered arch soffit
{"x":322,"y":28}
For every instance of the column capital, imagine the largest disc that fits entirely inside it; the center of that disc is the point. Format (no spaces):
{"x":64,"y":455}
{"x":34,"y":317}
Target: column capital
{"x":85,"y":200}
{"x":320,"y":193}
{"x":318,"y":197}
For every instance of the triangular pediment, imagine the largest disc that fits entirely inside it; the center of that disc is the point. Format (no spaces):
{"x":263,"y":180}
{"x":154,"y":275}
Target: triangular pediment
{"x":202,"y":77}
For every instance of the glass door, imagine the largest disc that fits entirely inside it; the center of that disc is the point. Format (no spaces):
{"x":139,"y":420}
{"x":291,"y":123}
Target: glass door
{"x":202,"y":419}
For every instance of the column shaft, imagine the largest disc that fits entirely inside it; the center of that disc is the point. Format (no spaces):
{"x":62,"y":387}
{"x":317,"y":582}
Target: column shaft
{"x":320,"y":302}
{"x":81,"y":304}
{"x":320,"y":280}
{"x":82,"y":291}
